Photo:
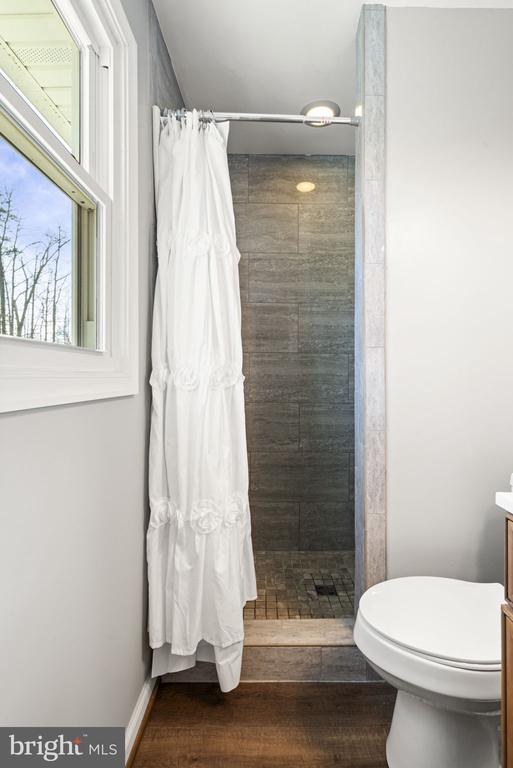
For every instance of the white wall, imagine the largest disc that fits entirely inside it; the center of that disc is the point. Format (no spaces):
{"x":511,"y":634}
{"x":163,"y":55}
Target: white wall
{"x":449,"y":288}
{"x":73,"y":512}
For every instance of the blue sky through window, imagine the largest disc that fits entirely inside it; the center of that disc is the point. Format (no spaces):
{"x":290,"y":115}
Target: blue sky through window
{"x":41,"y":205}
{"x":42,"y":208}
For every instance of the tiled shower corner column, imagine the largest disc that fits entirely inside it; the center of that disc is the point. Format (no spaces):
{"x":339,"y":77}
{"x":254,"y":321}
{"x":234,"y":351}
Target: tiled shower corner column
{"x":370,"y":422}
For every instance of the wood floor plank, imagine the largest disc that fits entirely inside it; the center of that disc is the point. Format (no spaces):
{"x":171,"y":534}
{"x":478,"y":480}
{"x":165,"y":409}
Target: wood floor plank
{"x":268,"y":725}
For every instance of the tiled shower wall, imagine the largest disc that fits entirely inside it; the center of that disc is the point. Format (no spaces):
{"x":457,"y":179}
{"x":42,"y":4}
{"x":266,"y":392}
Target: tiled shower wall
{"x":297,"y":292}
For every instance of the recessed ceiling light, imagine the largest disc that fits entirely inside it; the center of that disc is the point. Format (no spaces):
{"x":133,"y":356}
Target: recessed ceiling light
{"x":322,"y":108}
{"x":305,"y":186}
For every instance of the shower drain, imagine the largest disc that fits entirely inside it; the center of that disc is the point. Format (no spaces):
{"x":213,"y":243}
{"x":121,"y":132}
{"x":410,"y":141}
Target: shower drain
{"x":325,"y":589}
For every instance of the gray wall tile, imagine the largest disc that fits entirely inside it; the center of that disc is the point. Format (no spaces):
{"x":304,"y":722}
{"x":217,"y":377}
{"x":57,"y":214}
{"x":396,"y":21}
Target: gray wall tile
{"x":245,"y":365}
{"x":275,"y":525}
{"x":326,"y":327}
{"x":238,"y":168}
{"x":298,"y":475}
{"x":375,"y":532}
{"x":371,"y":675}
{"x":374,"y":71}
{"x":263,"y":228}
{"x":299,"y":378}
{"x":370,"y":252}
{"x":375,"y":460}
{"x":202,"y":672}
{"x":352,"y":478}
{"x":244,"y":277}
{"x":270,"y":327}
{"x":297,"y":293}
{"x":343,"y":664}
{"x":326,"y":427}
{"x":273,"y":179}
{"x":325,"y":227}
{"x":375,"y":138}
{"x":281,"y":663}
{"x":272,"y":426}
{"x":374,"y":289}
{"x":374,"y":221}
{"x":375,"y":390}
{"x":326,"y":525}
{"x":276,"y":476}
{"x":303,"y":277}
{"x":316,"y":632}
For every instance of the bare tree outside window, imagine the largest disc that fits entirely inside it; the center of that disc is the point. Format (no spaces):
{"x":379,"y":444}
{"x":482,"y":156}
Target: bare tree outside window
{"x":36,"y":286}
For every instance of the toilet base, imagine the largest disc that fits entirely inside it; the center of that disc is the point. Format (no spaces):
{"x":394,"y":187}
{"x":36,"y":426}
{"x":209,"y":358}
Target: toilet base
{"x":424,"y":736}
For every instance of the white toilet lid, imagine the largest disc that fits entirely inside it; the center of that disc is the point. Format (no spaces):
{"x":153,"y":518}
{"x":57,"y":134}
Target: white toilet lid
{"x":448,"y":619}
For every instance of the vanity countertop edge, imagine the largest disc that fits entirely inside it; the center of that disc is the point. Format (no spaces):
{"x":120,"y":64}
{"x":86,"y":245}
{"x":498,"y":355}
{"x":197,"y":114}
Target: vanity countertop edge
{"x":504,"y":499}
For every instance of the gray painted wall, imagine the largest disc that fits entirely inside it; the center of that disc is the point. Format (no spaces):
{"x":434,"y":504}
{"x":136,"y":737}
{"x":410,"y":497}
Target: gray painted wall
{"x":449,"y":281}
{"x":297,"y":290}
{"x":73,"y":510}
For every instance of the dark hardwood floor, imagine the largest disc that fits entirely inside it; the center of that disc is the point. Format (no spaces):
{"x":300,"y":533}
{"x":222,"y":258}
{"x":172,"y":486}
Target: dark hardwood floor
{"x":268,"y":725}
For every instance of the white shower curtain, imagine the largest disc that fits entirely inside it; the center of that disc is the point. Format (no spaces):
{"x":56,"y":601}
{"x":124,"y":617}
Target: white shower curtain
{"x":200,"y":558}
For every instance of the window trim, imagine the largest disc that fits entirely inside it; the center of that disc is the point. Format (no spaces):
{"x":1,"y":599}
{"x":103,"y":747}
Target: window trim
{"x":23,"y":143}
{"x":35,"y":374}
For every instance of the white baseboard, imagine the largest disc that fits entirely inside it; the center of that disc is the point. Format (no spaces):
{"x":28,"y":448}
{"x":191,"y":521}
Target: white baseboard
{"x":138,"y":713}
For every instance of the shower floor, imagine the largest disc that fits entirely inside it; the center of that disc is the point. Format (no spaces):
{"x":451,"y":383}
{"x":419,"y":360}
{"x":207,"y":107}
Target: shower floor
{"x":303,"y":585}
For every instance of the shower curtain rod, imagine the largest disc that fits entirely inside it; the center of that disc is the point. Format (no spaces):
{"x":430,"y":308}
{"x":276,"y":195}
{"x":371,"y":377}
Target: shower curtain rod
{"x":257,"y":117}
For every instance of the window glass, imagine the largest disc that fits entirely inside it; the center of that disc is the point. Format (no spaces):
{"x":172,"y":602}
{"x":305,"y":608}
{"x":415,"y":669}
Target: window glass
{"x":39,"y":55}
{"x":46,"y":264}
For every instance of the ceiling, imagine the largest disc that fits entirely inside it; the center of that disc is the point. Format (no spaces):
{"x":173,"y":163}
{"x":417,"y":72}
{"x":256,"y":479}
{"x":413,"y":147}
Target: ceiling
{"x":272,"y":56}
{"x":266,"y":56}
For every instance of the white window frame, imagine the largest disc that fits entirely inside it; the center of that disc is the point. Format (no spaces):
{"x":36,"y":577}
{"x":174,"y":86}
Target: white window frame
{"x":35,"y":374}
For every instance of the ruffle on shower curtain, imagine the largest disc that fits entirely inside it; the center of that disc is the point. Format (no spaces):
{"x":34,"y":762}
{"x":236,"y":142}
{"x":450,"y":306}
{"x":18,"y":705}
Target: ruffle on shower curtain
{"x":200,"y":559}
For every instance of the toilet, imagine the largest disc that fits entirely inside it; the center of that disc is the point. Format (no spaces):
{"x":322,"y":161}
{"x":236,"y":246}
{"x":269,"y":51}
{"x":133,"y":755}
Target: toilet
{"x":438,"y":641}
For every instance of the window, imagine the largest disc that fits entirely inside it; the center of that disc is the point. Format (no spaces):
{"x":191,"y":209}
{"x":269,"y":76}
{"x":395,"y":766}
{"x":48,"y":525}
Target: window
{"x":47,"y":248}
{"x":68,"y":202}
{"x":39,"y":55}
{"x":47,"y":224}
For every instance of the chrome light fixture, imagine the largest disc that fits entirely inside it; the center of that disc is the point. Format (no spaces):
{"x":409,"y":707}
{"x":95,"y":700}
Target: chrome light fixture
{"x":323,"y":110}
